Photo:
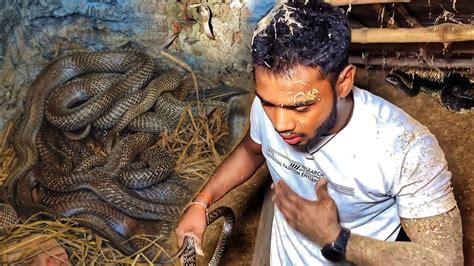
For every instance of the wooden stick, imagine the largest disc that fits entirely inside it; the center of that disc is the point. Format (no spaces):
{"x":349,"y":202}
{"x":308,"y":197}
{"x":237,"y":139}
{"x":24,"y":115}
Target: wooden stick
{"x":362,"y":2}
{"x":387,"y":19}
{"x":407,"y":17}
{"x":443,"y":33}
{"x":261,"y":251}
{"x":410,"y":62}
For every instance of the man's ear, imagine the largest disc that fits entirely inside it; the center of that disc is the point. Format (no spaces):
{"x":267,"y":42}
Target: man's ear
{"x":345,"y":81}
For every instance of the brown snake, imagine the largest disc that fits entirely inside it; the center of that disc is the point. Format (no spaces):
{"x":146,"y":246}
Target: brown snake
{"x":87,"y":95}
{"x":61,"y":70}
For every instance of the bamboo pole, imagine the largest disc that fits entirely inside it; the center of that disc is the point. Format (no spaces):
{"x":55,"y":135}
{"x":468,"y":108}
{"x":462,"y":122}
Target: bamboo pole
{"x":362,"y":2}
{"x":409,"y":62}
{"x":453,"y":49}
{"x":443,"y":33}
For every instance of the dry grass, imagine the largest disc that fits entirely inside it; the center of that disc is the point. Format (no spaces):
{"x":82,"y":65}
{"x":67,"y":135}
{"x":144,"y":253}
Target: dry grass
{"x":194,"y":143}
{"x":22,"y":242}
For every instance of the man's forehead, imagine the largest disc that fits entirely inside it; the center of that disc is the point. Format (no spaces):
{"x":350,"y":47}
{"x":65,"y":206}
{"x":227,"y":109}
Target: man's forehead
{"x":302,"y":86}
{"x":298,"y":74}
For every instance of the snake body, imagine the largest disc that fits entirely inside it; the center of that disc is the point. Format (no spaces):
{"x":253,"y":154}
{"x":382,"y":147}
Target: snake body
{"x":64,"y":102}
{"x":8,"y":215}
{"x":111,"y":117}
{"x":187,"y":250}
{"x":456,"y":92}
{"x":166,"y":82}
{"x":102,"y":96}
{"x":150,"y":174}
{"x":55,"y":74}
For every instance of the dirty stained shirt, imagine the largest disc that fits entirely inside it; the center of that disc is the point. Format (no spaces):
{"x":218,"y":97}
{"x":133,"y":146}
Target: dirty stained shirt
{"x":382,"y":166}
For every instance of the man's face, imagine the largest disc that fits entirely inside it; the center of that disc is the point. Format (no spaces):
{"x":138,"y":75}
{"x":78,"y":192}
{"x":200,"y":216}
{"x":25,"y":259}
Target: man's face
{"x":301,"y":107}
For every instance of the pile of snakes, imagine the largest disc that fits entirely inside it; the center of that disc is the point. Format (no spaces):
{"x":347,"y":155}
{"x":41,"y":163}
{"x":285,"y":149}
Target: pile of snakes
{"x":123,"y":102}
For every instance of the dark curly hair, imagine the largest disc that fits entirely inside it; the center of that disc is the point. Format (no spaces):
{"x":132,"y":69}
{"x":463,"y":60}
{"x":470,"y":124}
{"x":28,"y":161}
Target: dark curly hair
{"x":314,"y":34}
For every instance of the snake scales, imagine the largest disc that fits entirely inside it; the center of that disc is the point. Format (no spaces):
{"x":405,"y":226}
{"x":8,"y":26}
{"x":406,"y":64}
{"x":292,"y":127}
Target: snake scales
{"x":122,"y":101}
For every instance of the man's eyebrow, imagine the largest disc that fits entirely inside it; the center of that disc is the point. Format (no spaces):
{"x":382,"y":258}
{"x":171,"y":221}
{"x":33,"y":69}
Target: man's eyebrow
{"x":292,"y":106}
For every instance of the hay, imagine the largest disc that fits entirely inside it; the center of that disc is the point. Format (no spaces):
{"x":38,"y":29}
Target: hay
{"x":22,"y":242}
{"x":193,"y":143}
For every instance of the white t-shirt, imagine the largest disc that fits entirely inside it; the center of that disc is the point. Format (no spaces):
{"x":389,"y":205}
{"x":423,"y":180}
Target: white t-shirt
{"x":383,"y":165}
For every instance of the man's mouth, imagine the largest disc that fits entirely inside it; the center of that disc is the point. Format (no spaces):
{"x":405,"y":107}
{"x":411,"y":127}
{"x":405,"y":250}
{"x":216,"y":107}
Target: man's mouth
{"x":291,"y":139}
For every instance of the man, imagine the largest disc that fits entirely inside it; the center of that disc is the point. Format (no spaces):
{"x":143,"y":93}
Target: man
{"x":349,"y":169}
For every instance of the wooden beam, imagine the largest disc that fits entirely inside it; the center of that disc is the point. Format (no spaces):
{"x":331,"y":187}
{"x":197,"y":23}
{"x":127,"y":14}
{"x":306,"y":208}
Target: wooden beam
{"x":261,"y":252}
{"x":412,"y":62}
{"x":455,"y":48}
{"x":406,"y":16}
{"x":443,"y":33}
{"x":363,"y":2}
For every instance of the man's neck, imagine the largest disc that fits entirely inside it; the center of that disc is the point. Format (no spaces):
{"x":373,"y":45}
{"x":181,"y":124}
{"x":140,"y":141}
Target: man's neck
{"x":344,"y":113}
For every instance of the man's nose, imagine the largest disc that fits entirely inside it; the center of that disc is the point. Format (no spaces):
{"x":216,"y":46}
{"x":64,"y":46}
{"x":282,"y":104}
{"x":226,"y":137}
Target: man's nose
{"x":283,"y":121}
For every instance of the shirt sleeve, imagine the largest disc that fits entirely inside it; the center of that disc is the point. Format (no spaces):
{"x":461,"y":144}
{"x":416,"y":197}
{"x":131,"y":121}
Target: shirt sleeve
{"x":423,"y":188}
{"x":256,"y":114}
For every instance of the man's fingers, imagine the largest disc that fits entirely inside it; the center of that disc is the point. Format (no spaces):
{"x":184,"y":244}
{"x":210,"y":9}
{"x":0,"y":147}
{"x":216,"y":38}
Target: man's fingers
{"x":198,"y":248}
{"x":322,"y":188}
{"x":285,"y":191}
{"x":288,"y":209}
{"x":180,"y":238}
{"x":287,"y":201}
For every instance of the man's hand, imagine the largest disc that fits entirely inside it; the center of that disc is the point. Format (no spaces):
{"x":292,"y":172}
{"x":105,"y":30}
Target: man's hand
{"x":193,"y":224}
{"x":317,"y":220}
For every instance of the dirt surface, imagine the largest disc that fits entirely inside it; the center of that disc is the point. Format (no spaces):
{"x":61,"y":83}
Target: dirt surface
{"x":454,"y":134}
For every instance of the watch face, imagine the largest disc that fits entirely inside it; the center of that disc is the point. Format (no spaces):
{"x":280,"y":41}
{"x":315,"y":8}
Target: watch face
{"x":332,"y":253}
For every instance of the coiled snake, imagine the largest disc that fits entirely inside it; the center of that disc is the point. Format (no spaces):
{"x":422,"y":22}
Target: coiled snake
{"x":101,"y":97}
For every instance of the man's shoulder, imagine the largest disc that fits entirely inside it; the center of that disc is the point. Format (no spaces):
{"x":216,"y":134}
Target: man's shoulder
{"x":391,"y":125}
{"x":383,"y":112}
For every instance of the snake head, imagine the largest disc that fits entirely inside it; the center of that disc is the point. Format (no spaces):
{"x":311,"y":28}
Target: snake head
{"x":205,"y":15}
{"x":392,"y":79}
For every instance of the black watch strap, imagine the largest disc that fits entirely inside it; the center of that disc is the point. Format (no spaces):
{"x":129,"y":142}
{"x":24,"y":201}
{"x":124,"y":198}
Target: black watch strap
{"x":336,"y":251}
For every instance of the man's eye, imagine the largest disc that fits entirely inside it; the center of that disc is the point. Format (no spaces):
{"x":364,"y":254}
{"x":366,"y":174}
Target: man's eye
{"x":302,"y":108}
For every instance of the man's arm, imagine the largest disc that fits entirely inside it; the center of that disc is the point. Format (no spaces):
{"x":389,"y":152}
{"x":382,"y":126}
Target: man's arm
{"x":237,"y":168}
{"x":435,"y":240}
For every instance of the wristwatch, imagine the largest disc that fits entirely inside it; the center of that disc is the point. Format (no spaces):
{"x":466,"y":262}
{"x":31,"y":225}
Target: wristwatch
{"x":336,"y":251}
